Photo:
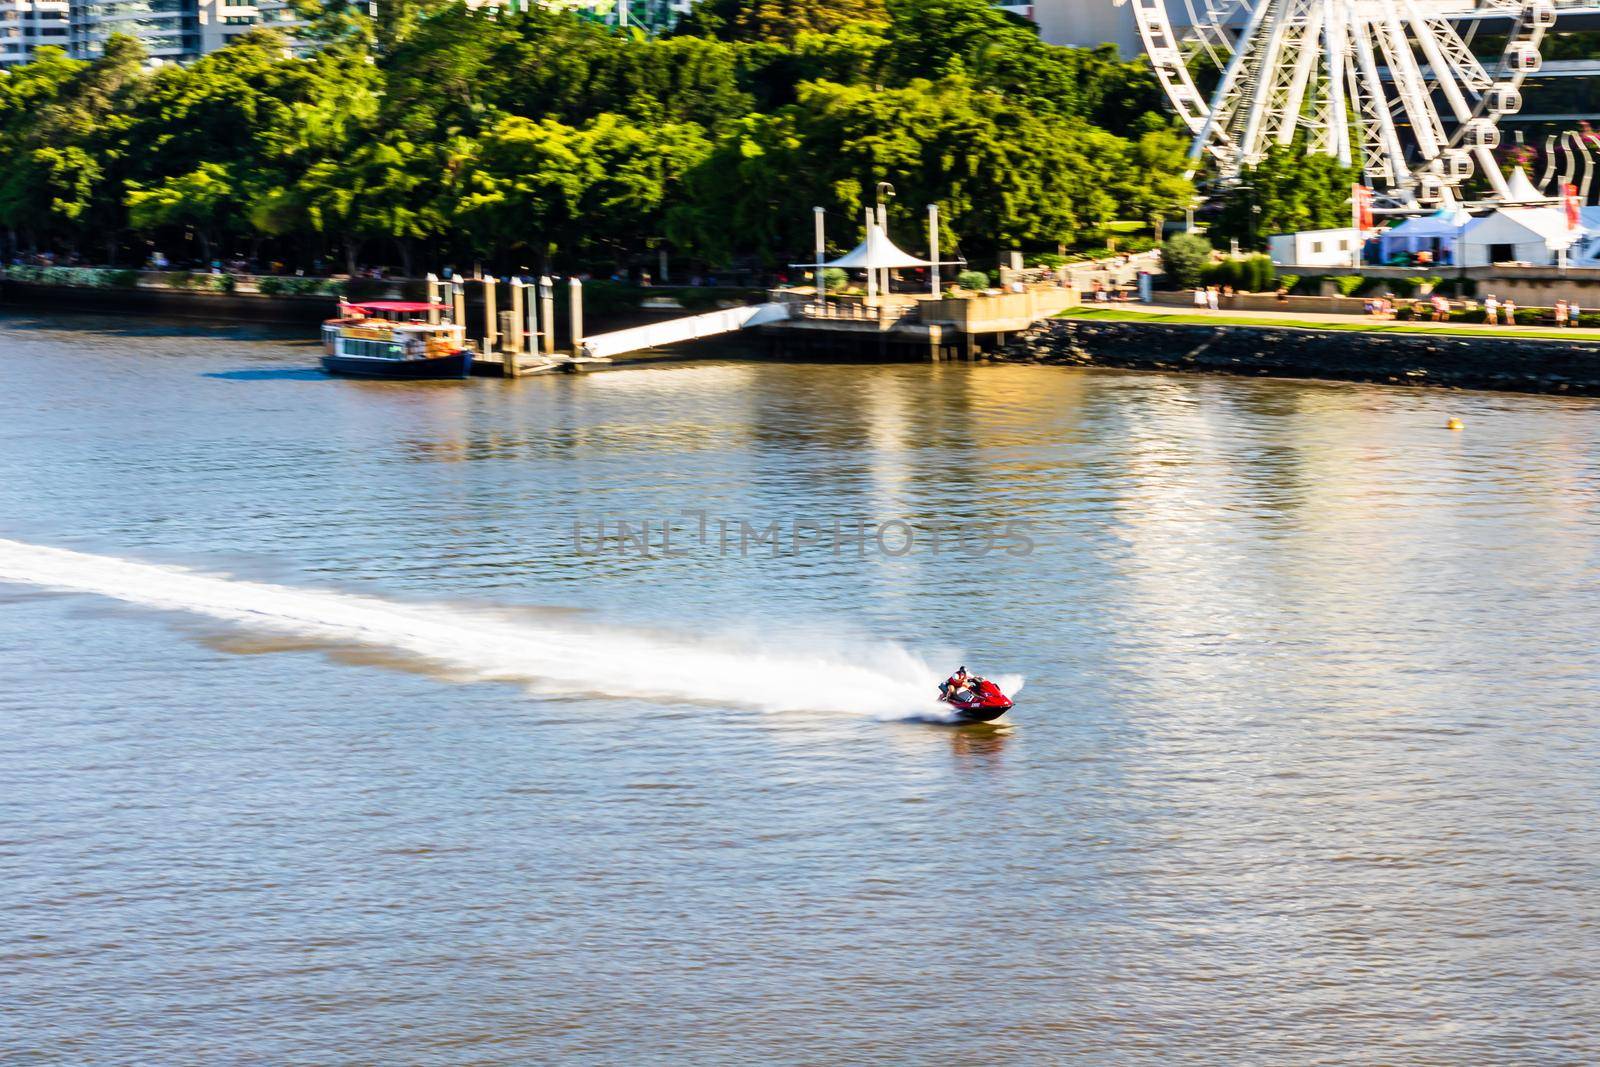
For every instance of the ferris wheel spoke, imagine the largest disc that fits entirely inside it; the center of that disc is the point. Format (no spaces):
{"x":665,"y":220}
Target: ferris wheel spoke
{"x":1458,"y":57}
{"x":1284,"y":122}
{"x":1224,"y":101}
{"x":1394,"y":164}
{"x":1363,"y":123}
{"x":1442,"y":72}
{"x":1267,"y":73}
{"x":1411,"y":94}
{"x":1336,"y":39}
{"x":1491,"y":170}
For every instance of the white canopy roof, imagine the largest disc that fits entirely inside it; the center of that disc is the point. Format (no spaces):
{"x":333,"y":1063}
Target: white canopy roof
{"x":1446,"y":222}
{"x":877,"y":252}
{"x":1519,"y":190}
{"x":1521,"y":225}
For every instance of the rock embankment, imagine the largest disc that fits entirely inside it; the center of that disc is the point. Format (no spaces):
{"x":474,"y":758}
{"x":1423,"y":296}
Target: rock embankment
{"x":1557,"y":365}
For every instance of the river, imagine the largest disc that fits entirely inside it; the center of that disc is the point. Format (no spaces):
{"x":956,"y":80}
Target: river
{"x":339,"y":725}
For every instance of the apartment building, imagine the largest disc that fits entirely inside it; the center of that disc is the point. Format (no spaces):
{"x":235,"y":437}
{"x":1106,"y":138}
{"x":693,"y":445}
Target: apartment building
{"x":26,"y":25}
{"x":172,"y":30}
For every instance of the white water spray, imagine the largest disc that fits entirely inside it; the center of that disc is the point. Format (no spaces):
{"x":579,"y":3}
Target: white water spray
{"x":873,"y":678}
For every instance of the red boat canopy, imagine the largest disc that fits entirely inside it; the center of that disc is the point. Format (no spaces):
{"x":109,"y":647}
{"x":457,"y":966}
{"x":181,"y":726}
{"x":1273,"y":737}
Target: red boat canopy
{"x":397,"y":305}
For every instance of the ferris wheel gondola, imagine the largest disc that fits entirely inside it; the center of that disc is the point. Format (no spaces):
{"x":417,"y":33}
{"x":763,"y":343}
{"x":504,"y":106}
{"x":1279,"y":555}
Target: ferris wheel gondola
{"x":1391,"y":86}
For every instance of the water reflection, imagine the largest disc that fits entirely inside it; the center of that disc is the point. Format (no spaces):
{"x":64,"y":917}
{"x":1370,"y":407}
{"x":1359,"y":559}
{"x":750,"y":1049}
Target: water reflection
{"x":267,"y":374}
{"x":980,"y":744}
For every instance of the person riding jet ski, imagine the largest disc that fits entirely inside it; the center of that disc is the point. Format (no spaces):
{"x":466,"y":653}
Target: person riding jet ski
{"x":952,"y":686}
{"x":975,"y":699}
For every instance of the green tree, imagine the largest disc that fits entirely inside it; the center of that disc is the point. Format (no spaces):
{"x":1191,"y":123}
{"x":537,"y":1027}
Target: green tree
{"x":1006,"y":175}
{"x":435,"y":129}
{"x":595,"y":190}
{"x":778,"y":20}
{"x":205,"y":199}
{"x":64,"y":135}
{"x":382,"y":189}
{"x":1286,"y":192}
{"x":1003,"y":53}
{"x":1184,"y":257}
{"x":1152,"y":180}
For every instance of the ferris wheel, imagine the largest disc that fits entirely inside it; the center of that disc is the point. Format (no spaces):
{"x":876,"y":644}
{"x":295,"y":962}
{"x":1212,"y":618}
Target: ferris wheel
{"x":1391,"y":86}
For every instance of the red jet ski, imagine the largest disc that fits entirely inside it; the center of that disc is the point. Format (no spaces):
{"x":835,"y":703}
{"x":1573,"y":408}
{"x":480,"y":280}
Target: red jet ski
{"x":982,"y":701}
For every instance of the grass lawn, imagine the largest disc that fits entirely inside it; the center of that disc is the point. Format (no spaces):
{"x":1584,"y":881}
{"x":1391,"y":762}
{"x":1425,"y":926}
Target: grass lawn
{"x":1180,"y":318}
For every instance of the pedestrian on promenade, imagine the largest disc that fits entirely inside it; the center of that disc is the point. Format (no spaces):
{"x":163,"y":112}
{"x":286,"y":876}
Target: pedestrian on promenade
{"x":1491,"y":310}
{"x":1573,"y":311}
{"x":1200,"y":297}
{"x":1561,"y":313}
{"x":1510,"y":308}
{"x":1212,"y":298}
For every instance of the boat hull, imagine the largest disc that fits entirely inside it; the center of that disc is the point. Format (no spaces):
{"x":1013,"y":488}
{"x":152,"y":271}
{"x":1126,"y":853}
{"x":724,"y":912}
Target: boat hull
{"x":981,"y":712}
{"x":458,"y":365}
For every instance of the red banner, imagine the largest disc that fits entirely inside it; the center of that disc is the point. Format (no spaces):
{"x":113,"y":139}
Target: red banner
{"x":1569,"y":200}
{"x":1361,"y":202}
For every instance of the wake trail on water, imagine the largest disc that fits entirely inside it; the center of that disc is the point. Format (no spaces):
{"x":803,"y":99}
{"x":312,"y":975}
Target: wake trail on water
{"x":878,"y":678}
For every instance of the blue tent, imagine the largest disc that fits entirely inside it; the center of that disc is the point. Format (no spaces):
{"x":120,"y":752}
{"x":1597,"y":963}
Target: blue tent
{"x":1436,"y":233}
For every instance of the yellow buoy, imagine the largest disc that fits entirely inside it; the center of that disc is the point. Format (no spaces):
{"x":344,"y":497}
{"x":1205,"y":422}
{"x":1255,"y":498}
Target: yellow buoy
{"x":1455,"y":424}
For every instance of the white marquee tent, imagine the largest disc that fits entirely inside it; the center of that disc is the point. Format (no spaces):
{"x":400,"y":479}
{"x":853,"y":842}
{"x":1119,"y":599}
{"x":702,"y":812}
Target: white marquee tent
{"x":1533,"y":235}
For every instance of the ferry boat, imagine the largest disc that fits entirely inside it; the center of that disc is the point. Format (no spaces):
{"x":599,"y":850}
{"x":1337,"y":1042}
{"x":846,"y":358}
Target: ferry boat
{"x":395,"y":339}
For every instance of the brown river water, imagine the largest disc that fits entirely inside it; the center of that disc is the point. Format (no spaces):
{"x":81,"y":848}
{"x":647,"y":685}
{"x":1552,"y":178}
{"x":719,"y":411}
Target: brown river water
{"x":338,"y":725}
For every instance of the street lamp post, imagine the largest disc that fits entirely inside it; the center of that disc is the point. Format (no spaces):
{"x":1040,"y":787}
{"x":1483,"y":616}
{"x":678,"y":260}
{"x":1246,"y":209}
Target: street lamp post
{"x":885,"y":191}
{"x":821,"y":241}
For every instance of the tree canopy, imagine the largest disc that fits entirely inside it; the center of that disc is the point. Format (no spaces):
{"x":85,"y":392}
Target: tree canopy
{"x":427,"y":131}
{"x":1286,"y":192}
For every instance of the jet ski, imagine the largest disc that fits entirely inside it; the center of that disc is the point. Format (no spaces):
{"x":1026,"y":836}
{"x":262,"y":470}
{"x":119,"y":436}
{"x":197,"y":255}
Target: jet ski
{"x":981,"y":701}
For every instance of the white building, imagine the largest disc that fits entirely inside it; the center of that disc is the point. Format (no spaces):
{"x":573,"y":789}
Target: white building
{"x":171,"y":30}
{"x":1088,"y":23}
{"x":26,"y":25}
{"x":1316,"y":248}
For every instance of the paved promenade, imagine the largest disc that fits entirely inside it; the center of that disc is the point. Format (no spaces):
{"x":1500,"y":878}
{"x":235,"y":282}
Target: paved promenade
{"x":1314,"y":321}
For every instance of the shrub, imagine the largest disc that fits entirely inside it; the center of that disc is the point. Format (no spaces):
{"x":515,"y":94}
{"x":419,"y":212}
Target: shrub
{"x":201,"y":282}
{"x":1184,"y":257}
{"x":1218,"y":273}
{"x":296,"y":286}
{"x":1047,"y":259}
{"x":1287,"y":282}
{"x":1404,"y":286}
{"x":835,"y":278}
{"x":1249,"y":274}
{"x":85,"y":277}
{"x":972,"y":279}
{"x":1347,"y":284}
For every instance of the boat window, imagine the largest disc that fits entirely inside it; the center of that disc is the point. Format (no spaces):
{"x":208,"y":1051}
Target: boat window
{"x":356,"y":346}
